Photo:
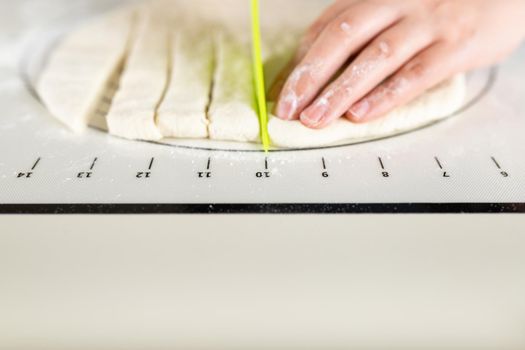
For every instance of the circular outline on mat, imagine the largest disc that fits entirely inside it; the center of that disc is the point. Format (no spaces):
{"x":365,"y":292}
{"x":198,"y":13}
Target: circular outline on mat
{"x":491,"y":79}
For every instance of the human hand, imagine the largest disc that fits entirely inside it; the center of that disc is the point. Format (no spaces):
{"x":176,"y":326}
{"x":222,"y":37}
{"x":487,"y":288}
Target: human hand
{"x":397,"y":49}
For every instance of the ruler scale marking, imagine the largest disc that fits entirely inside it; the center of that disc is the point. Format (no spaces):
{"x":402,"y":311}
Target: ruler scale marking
{"x":36,"y":163}
{"x":93,"y":164}
{"x":439,"y":163}
{"x":381,"y":163}
{"x":496,"y":162}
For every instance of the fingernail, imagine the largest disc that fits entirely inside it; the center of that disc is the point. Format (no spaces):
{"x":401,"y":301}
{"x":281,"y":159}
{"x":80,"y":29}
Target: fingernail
{"x":287,"y":106}
{"x":314,"y":115}
{"x":360,"y":110}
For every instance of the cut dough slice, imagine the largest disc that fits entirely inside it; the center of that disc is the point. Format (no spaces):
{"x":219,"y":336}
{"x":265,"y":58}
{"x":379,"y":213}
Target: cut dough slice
{"x":98,"y":120}
{"x":438,"y":103}
{"x":143,"y":83}
{"x":232,"y":112}
{"x":78,"y":70}
{"x":183,"y":111}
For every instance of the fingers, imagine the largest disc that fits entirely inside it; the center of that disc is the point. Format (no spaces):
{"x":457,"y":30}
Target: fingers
{"x":278,"y":84}
{"x":339,"y":40}
{"x":306,"y":43}
{"x":383,"y":57}
{"x":331,"y":13}
{"x":422,"y":73}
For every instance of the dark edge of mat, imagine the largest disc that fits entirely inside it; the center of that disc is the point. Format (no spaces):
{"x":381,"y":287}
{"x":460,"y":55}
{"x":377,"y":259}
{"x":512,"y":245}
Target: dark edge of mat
{"x":283,"y":208}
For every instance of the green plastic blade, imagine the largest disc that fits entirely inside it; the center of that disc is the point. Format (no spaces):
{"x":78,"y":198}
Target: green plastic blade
{"x":258,"y":74}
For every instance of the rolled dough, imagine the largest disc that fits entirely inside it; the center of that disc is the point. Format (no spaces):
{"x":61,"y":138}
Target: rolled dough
{"x":143,"y":83}
{"x":232,"y":112}
{"x":182,"y":114}
{"x":79,"y":69}
{"x":178,"y":83}
{"x":438,"y":103}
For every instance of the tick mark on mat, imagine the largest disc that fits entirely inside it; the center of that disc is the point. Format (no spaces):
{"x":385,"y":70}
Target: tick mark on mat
{"x":384,"y":173}
{"x":325,"y":172}
{"x":441,"y":167}
{"x":381,"y":163}
{"x":439,"y":163}
{"x":36,"y":163}
{"x":498,"y":165}
{"x":496,"y":162}
{"x":205,"y":174}
{"x":93,"y":164}
{"x":266,"y":173}
{"x":151,"y":163}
